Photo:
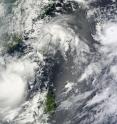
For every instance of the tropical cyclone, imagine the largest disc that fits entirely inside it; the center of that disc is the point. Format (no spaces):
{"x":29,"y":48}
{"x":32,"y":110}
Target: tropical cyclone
{"x":58,"y":62}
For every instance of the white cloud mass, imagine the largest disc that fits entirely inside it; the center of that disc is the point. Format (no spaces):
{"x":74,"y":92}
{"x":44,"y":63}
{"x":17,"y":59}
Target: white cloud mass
{"x":13,"y":83}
